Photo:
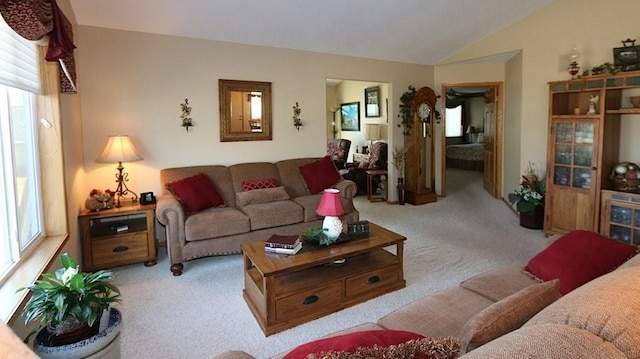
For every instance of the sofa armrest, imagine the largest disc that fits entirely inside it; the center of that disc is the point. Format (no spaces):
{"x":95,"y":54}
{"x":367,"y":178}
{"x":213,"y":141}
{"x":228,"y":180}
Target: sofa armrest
{"x":170,"y":213}
{"x":347,"y":189}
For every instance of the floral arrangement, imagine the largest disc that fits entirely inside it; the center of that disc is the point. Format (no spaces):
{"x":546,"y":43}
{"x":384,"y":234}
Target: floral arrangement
{"x":69,"y":298}
{"x":186,"y":112}
{"x":296,"y":117}
{"x":530,"y":193}
{"x":398,"y":159}
{"x":99,"y":199}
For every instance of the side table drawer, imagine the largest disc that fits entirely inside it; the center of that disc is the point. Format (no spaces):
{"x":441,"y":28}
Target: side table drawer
{"x":371,"y":280}
{"x":308,"y":301}
{"x":119,"y":249}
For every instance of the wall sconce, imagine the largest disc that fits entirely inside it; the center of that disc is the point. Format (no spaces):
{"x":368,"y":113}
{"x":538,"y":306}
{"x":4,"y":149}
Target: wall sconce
{"x":120,"y":149}
{"x":186,"y":112}
{"x":331,"y":207}
{"x":296,"y":117}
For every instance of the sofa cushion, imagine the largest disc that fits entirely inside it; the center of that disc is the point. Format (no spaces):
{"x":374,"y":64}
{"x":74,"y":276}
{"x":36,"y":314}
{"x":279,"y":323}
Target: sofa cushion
{"x":499,"y":283}
{"x":263,"y":195}
{"x":320,"y":175}
{"x":546,"y":341}
{"x":273,"y":214}
{"x":350,"y":343}
{"x":216,"y":222}
{"x":442,"y":314}
{"x":608,"y":307}
{"x":196,"y":193}
{"x":258,"y":183}
{"x":578,"y":257}
{"x":507,"y":314}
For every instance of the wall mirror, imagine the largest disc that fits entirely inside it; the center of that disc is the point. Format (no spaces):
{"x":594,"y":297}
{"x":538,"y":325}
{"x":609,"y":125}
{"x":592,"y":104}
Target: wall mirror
{"x":245,"y":110}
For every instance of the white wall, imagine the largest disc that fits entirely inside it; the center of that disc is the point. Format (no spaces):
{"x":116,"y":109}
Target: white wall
{"x":132,"y":83}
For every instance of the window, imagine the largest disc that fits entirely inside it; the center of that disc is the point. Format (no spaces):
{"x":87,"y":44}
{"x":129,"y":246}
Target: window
{"x":21,"y":218}
{"x":454,"y":121}
{"x":20,"y":207}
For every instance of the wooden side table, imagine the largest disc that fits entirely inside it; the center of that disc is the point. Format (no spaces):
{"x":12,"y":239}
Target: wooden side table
{"x":118,"y":236}
{"x":370,"y":175}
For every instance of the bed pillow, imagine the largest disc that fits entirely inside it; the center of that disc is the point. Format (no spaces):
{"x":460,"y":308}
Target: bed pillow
{"x":579,"y":257}
{"x":263,"y":195}
{"x":507,"y":314}
{"x":332,"y":347}
{"x":196,"y":193}
{"x":258,"y":183}
{"x":320,"y":175}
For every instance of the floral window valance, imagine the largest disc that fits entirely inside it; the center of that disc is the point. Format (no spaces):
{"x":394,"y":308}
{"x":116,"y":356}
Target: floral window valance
{"x":35,"y":19}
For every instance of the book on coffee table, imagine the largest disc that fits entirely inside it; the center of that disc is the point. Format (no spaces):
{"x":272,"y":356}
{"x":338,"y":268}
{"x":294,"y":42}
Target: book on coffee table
{"x":278,"y":241}
{"x":289,"y":251}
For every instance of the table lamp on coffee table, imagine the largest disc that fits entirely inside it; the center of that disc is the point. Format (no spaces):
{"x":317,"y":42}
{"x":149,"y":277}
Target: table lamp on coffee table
{"x":331,"y":207}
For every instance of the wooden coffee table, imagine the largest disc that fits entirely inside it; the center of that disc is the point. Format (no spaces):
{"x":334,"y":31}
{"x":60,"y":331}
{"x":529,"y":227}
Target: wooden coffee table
{"x":285,"y":291}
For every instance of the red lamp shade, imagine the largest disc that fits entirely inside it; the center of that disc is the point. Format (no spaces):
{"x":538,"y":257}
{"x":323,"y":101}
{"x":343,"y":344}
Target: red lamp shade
{"x":330,"y":204}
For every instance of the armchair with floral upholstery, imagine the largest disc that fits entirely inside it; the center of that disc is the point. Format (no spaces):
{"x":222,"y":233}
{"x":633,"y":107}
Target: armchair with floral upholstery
{"x":357,"y":172}
{"x":338,"y":150}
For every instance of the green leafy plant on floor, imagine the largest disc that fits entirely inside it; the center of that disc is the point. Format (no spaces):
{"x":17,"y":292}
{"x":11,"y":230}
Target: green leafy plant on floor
{"x":529,"y":194}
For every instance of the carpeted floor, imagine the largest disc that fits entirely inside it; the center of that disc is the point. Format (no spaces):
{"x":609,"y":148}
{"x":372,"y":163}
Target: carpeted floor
{"x":202,"y":312}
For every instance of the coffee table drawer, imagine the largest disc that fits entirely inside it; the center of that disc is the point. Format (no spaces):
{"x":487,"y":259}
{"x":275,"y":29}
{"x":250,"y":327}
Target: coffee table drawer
{"x":371,"y":280}
{"x":308,"y":301}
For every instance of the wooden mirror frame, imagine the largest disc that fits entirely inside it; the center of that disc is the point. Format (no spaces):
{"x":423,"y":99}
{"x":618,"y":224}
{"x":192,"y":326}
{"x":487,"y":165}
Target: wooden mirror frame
{"x":225,"y":87}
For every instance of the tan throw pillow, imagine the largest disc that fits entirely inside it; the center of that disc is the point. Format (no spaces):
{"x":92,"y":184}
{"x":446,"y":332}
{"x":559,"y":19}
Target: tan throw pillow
{"x":263,"y":195}
{"x":507,"y":314}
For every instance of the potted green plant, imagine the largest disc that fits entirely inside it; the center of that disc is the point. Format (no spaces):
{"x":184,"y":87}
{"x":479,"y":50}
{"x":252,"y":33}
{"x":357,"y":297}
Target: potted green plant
{"x":528,"y":197}
{"x":69,"y":303}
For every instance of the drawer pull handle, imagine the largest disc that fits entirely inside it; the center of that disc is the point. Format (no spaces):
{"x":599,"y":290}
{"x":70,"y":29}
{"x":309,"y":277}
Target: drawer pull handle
{"x":310,"y":299}
{"x":120,"y":249}
{"x":374,"y":279}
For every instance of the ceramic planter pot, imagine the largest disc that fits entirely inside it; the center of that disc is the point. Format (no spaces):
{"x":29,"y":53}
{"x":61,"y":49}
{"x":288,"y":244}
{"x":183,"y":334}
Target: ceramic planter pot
{"x":533,"y":219}
{"x":105,"y":342}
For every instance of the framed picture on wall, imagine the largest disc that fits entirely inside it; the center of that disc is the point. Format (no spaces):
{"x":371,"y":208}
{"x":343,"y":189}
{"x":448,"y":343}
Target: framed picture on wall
{"x":350,"y":116}
{"x":372,"y":101}
{"x":627,"y":58}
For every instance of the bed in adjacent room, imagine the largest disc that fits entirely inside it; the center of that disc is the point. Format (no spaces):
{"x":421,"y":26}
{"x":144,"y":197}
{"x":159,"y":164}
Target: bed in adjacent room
{"x":466,"y":156}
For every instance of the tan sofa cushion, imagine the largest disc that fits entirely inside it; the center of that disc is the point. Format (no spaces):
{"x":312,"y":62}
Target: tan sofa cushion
{"x":442,"y":314}
{"x":608,"y":306}
{"x":546,"y":341}
{"x":507,"y":314}
{"x":499,"y":283}
{"x":263,"y":195}
{"x":273,"y":214}
{"x":214,"y":223}
{"x":251,"y":171}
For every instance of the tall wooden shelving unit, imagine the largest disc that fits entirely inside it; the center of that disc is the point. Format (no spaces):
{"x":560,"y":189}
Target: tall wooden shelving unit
{"x":583,"y":148}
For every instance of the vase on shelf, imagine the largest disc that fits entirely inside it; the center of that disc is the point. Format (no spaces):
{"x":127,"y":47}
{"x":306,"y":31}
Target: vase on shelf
{"x":400,"y":188}
{"x":533,"y":219}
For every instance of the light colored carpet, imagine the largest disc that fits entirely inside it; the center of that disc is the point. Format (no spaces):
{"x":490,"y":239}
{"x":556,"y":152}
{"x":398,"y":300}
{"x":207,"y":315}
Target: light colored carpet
{"x":202,"y":312}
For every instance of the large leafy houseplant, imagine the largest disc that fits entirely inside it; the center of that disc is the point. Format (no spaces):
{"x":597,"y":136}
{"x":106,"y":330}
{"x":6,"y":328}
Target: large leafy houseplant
{"x":68,"y":298}
{"x":529,"y":194}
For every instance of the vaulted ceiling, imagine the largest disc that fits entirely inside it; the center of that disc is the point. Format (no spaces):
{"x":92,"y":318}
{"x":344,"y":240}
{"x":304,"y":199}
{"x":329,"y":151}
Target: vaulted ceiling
{"x":411,"y":31}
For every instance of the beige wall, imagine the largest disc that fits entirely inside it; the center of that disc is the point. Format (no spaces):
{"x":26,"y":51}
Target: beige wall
{"x":132,"y":83}
{"x":545,"y":40}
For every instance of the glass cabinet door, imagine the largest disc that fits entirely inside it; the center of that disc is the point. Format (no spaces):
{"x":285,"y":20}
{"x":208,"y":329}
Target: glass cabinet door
{"x":573,"y":154}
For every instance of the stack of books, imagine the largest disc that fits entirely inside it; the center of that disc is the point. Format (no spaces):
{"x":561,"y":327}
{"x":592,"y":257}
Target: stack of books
{"x":283,"y":244}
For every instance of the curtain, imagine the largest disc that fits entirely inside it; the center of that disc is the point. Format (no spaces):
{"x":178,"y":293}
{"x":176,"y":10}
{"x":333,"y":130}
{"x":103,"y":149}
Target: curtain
{"x":36,"y":19}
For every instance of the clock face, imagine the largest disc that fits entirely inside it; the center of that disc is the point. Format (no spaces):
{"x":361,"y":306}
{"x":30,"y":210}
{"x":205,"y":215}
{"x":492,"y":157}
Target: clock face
{"x":424,"y":110}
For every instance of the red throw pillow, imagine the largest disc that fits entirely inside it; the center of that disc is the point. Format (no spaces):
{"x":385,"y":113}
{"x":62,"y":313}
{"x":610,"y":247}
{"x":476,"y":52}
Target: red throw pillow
{"x":259,"y":183}
{"x":196,"y":193}
{"x":579,"y":257}
{"x":320,"y":175}
{"x":352,"y":341}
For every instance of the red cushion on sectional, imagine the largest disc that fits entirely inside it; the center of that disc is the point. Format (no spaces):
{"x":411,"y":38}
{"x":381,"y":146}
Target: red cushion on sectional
{"x":259,"y":183}
{"x":579,"y":257}
{"x":196,"y":193}
{"x":320,"y":175}
{"x":352,"y":341}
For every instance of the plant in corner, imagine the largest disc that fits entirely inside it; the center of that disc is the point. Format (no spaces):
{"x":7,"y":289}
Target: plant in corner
{"x":69,"y":301}
{"x":529,"y":194}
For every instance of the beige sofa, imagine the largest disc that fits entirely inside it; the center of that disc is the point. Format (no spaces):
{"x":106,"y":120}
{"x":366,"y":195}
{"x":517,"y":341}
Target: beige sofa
{"x":221,"y":231}
{"x":600,"y":319}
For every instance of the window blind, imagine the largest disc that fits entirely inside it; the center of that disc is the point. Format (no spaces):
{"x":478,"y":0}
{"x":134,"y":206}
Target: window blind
{"x":19,"y":66}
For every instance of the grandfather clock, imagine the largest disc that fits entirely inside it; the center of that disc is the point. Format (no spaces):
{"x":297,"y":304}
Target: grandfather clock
{"x":420,"y":168}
